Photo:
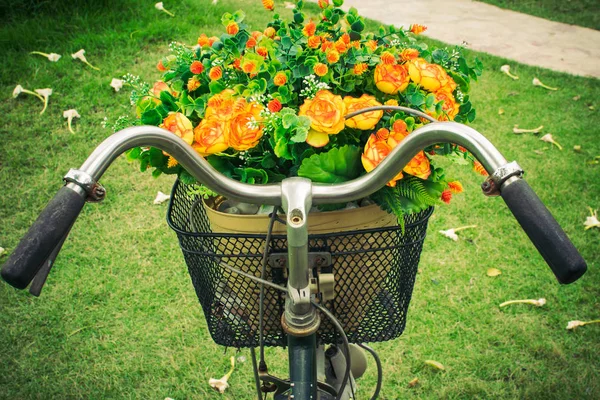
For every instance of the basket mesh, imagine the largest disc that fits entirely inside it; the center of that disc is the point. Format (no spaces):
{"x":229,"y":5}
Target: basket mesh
{"x":374,"y":273}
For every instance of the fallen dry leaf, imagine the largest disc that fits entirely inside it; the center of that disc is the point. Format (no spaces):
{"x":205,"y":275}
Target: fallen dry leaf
{"x":592,"y":220}
{"x":500,"y":111}
{"x":435,"y":364}
{"x":451,"y":233}
{"x":506,"y":70}
{"x":549,"y":139}
{"x":577,"y":148}
{"x":494,"y":272}
{"x":161,"y":198}
{"x":537,"y":303}
{"x":518,"y":130}
{"x":576,"y":98}
{"x":413,"y":383}
{"x":572,"y":325}
{"x":537,"y":82}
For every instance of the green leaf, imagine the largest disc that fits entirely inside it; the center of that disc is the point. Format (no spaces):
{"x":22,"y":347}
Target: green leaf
{"x":289,"y":121}
{"x":281,"y":149}
{"x":268,"y":161}
{"x":337,"y":165}
{"x":133,"y":154}
{"x":151,"y":117}
{"x":300,"y":135}
{"x":186,"y":178}
{"x":471,"y":115}
{"x":216,"y":87}
{"x":250,"y":175}
{"x":388,"y":199}
{"x":168,"y":100}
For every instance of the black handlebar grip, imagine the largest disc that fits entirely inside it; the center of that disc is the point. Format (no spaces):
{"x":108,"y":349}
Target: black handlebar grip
{"x":45,"y":234}
{"x":543,"y":230}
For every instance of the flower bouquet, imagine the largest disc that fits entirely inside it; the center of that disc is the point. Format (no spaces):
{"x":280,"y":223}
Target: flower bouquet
{"x":264,"y":105}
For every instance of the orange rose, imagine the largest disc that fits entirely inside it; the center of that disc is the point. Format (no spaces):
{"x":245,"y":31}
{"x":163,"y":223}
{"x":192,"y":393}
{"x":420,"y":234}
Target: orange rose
{"x":360,"y":68}
{"x":192,"y":84}
{"x":215,"y":73}
{"x":345,"y":38}
{"x":270,"y":32}
{"x":211,"y":136}
{"x":160,"y":66}
{"x":455,"y":187}
{"x":179,"y":125}
{"x":251,"y":42}
{"x":161,"y":87}
{"x":268,"y":4}
{"x":391,"y":79}
{"x":400,"y":126}
{"x":450,"y":107}
{"x":327,"y":45}
{"x":333,"y":56}
{"x":446,"y":196}
{"x":366,"y":120}
{"x":371,"y":45}
{"x":323,"y":3}
{"x":232,"y":28}
{"x":391,"y":102}
{"x":249,"y":66}
{"x":320,"y":69}
{"x":409,"y":54}
{"x":262,"y":51}
{"x":314,"y":42}
{"x":326,"y":112}
{"x":280,"y":79}
{"x":387,"y":58}
{"x":375,"y":151}
{"x":309,"y":29}
{"x":340,"y":46}
{"x":274,"y":106}
{"x":196,"y":67}
{"x":419,"y":166}
{"x":212,"y":39}
{"x":221,"y":106}
{"x":203,"y":40}
{"x":244,"y":129}
{"x":418,"y":29}
{"x":431,"y":76}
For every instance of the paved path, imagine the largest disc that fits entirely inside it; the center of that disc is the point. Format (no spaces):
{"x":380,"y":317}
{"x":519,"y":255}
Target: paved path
{"x":520,"y":37}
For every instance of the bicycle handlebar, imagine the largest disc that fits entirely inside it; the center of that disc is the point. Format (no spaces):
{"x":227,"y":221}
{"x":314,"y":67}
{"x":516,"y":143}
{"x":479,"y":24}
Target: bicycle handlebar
{"x":55,"y":220}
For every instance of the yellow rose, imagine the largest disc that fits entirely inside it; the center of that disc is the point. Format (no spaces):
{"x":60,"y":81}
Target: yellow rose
{"x":375,"y":151}
{"x":211,"y":136}
{"x":391,"y":78}
{"x":326,"y":112}
{"x":419,"y":166}
{"x":364,"y":121}
{"x":450,"y":106}
{"x":179,"y":125}
{"x":244,"y":129}
{"x":432,"y":77}
{"x":221,"y":105}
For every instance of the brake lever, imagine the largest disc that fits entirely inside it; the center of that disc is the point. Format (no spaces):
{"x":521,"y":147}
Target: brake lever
{"x":40,"y":278}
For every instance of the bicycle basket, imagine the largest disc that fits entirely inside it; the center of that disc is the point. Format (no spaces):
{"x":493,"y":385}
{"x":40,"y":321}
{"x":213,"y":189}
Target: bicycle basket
{"x":374,"y":271}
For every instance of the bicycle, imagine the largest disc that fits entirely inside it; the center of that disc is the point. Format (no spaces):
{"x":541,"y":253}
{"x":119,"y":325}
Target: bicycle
{"x":35,"y":254}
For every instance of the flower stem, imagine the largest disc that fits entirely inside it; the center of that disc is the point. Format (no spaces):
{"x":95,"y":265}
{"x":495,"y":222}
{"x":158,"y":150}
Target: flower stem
{"x":464,"y":227}
{"x":168,"y":12}
{"x":596,"y":321}
{"x":40,"y":53}
{"x":506,"y":303}
{"x":228,"y":374}
{"x":69,"y":123}
{"x":34,"y":94}
{"x":91,"y":66}
{"x":45,"y":105}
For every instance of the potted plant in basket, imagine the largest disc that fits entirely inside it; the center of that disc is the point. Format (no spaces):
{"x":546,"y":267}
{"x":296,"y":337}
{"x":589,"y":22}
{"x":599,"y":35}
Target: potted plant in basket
{"x":263,"y":105}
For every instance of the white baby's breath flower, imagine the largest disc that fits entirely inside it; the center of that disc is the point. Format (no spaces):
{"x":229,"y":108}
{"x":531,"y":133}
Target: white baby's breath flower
{"x":160,"y":7}
{"x":221,"y":385}
{"x":45,"y":93}
{"x":518,"y":130}
{"x":592,"y":220}
{"x":80,"y":55}
{"x":537,"y":303}
{"x":69,"y":115}
{"x":506,"y":69}
{"x":51,"y":57}
{"x":161,"y":198}
{"x":549,"y":139}
{"x":537,"y":82}
{"x":451,"y":233}
{"x":116,"y":84}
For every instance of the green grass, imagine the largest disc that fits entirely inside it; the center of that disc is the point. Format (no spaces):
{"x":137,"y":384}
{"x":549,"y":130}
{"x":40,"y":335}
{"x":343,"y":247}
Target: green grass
{"x":575,"y":12}
{"x":119,"y":317}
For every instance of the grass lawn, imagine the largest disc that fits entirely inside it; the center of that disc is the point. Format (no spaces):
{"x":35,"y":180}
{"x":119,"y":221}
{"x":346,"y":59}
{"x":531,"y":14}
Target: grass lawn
{"x":576,"y":12}
{"x":119,"y":318}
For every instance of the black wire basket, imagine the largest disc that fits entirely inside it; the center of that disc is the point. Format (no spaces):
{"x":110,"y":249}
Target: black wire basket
{"x":374,"y":271}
